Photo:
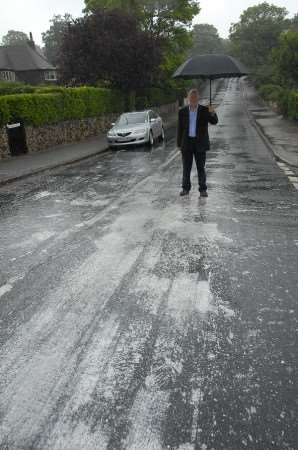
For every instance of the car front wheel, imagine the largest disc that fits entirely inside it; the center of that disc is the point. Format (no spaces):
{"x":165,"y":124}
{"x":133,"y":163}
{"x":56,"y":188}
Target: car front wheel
{"x":151,"y":139}
{"x":162,"y":134}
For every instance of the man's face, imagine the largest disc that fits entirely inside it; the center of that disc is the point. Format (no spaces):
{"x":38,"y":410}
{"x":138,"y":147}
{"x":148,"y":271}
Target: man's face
{"x":193,"y":98}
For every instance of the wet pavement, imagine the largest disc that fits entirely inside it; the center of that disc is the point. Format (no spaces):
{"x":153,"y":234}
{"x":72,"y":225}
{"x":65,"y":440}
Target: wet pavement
{"x":132,"y":318}
{"x":280,"y":134}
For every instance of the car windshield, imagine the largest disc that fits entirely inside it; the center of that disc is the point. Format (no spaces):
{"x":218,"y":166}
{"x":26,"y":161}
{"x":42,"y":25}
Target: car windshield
{"x":132,"y":118}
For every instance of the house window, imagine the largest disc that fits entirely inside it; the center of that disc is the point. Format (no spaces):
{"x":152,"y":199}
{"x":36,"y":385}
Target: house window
{"x":50,"y":75}
{"x":7,"y":75}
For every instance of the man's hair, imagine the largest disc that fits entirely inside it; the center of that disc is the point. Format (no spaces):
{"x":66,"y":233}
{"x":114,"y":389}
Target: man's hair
{"x":193,"y":91}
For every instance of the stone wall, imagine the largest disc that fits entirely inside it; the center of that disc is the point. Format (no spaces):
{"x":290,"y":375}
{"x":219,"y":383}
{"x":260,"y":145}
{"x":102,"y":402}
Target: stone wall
{"x":41,"y":138}
{"x":4,"y":149}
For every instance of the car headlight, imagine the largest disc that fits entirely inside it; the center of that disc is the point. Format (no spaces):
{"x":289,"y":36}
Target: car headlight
{"x":111,"y":133}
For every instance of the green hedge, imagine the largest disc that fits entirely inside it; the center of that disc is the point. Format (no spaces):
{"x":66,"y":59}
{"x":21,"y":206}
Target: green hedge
{"x":287,"y":100}
{"x":293,"y":104}
{"x":67,"y":103}
{"x":53,"y":104}
{"x":271,"y":92}
{"x":154,"y":96}
{"x":10,"y":88}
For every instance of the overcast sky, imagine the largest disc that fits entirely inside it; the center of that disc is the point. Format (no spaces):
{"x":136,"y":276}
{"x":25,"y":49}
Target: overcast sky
{"x":34,"y":15}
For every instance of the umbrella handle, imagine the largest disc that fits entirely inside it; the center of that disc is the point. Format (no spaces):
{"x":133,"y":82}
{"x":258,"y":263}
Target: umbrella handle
{"x":210,"y":91}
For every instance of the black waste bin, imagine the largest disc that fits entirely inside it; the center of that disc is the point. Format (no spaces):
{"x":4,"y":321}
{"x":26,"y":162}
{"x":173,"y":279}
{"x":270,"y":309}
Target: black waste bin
{"x":16,"y":134}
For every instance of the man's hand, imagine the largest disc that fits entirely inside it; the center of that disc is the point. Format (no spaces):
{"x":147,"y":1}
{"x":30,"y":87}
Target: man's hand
{"x":211,"y":109}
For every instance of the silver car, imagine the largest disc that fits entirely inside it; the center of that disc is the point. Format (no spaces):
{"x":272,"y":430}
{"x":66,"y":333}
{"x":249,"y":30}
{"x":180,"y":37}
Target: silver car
{"x":132,"y":128}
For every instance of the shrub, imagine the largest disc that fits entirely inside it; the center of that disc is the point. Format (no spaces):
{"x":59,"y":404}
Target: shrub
{"x":284,"y":101}
{"x":154,"y":96}
{"x":271,"y":92}
{"x":293,"y":104}
{"x":52,"y":107}
{"x":4,"y":111}
{"x":142,"y":102}
{"x":44,"y":89}
{"x":33,"y":109}
{"x":159,"y":96}
{"x":10,"y":88}
{"x":53,"y":104}
{"x":287,"y":100}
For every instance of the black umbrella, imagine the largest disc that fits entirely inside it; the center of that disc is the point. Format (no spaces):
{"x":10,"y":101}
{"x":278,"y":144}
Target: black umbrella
{"x":211,"y":66}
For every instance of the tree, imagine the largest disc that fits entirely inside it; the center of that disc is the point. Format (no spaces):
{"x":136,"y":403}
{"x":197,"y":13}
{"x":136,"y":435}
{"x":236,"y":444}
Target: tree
{"x":127,"y":6}
{"x":285,"y":58}
{"x":157,"y":16}
{"x":169,"y":20}
{"x":294,"y":21}
{"x":108,"y":45}
{"x":257,"y":33}
{"x":227,"y":46}
{"x":14,"y":37}
{"x":206,"y":40}
{"x":165,"y":17}
{"x":52,"y":38}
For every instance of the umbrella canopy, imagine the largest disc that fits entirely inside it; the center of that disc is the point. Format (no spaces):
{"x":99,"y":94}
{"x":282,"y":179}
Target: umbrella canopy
{"x":211,"y":66}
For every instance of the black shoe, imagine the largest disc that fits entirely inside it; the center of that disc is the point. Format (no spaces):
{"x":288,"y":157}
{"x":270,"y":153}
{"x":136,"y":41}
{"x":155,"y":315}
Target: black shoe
{"x":184,"y":192}
{"x":204,"y":194}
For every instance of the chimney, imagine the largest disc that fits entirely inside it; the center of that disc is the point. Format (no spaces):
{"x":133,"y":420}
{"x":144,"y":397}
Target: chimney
{"x":31,"y":41}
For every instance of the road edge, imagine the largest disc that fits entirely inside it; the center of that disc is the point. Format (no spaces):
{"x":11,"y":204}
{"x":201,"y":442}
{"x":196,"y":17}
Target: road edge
{"x":272,"y":147}
{"x":105,"y":149}
{"x":275,"y":149}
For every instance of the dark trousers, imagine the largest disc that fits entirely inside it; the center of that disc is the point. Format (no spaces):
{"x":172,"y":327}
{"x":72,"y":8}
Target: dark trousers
{"x":191,"y":151}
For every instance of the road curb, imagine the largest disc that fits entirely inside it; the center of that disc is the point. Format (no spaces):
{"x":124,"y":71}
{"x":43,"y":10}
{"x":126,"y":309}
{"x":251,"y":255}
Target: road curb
{"x":66,"y":163}
{"x":55,"y":166}
{"x":272,"y":147}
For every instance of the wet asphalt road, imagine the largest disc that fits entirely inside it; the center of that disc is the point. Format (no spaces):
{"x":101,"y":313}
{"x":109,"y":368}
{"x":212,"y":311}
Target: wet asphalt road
{"x":134,"y":319}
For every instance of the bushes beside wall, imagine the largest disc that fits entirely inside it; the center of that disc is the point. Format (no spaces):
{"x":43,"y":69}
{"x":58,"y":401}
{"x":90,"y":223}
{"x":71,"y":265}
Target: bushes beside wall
{"x":53,"y":104}
{"x":47,"y":107}
{"x":16,"y":87}
{"x":293,"y":104}
{"x":286,"y":100}
{"x":271,"y":92}
{"x":9,"y":88}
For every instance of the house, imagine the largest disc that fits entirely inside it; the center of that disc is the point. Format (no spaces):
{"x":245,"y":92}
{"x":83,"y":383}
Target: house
{"x":24,"y":63}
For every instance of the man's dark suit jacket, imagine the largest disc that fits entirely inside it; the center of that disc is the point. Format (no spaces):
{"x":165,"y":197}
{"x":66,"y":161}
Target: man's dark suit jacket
{"x":203,"y":118}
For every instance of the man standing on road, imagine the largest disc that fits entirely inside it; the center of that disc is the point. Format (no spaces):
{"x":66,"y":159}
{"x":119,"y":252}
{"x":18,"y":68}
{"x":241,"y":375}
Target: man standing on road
{"x":193,"y":139}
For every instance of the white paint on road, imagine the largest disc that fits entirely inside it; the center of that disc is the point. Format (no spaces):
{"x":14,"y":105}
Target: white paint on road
{"x":289,"y":173}
{"x":189,"y":295}
{"x":88,"y":203}
{"x":43,"y":235}
{"x":34,"y":240}
{"x":43,"y":194}
{"x":147,"y":413}
{"x":5,"y":288}
{"x":10,"y":283}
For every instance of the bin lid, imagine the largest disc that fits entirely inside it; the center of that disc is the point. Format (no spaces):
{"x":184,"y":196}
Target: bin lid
{"x":13,"y":125}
